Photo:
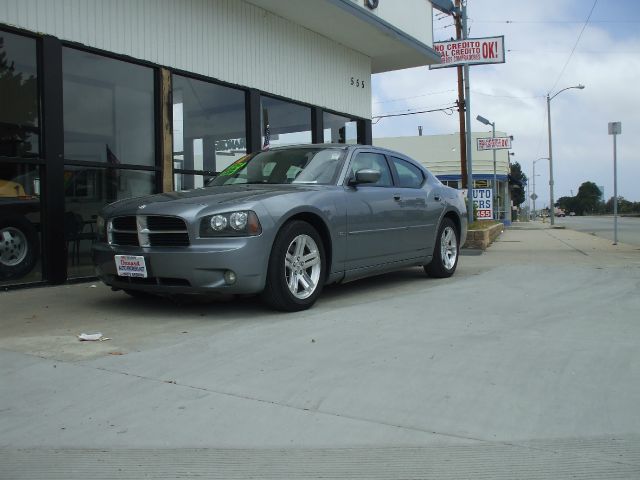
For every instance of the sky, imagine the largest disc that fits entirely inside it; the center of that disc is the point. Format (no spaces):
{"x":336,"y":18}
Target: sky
{"x":539,"y":37}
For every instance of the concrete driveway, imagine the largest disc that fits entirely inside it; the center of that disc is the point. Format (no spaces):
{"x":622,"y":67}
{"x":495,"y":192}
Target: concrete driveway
{"x":523,"y":365}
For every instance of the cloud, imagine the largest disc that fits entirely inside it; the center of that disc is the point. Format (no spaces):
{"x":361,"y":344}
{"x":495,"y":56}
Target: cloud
{"x":606,"y":61}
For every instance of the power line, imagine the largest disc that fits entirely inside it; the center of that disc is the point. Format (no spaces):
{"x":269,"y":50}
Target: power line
{"x":557,"y":21}
{"x":447,"y":110}
{"x":575,"y":45}
{"x":506,"y":96}
{"x":428,"y":94}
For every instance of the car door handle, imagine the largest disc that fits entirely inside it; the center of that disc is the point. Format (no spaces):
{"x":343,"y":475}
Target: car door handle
{"x":397,"y":198}
{"x":437,"y":198}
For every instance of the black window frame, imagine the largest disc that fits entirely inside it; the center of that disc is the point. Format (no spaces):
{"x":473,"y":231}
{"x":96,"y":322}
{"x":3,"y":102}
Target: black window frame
{"x":157,"y":116}
{"x":247,"y":115}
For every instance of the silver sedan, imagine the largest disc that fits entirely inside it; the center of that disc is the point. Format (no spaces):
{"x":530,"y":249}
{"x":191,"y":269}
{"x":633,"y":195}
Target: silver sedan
{"x":284,"y":223}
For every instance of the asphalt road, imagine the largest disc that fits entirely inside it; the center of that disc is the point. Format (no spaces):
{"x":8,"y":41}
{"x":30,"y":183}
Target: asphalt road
{"x":602,"y":226}
{"x":523,"y":365}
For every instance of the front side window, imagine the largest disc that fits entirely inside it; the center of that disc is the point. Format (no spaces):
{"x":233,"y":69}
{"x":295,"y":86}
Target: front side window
{"x":297,"y":166}
{"x":19,"y":117}
{"x":409,"y":176}
{"x":108,"y":110}
{"x":372,"y":161}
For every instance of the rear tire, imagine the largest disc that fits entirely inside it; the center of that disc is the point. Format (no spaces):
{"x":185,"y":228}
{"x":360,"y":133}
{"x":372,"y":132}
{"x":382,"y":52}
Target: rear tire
{"x":445,"y":252}
{"x":297,"y":270}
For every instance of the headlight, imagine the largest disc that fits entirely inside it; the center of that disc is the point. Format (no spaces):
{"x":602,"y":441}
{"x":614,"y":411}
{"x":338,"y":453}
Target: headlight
{"x":232,"y":224}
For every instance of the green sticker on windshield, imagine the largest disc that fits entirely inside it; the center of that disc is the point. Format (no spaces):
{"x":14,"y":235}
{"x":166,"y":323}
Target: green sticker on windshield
{"x":235,"y":166}
{"x":231,"y":169}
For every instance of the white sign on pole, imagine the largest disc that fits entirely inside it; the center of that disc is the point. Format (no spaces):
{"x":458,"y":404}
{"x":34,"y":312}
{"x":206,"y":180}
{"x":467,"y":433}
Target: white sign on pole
{"x":483,"y":201}
{"x":472,"y":51}
{"x":490,"y":143}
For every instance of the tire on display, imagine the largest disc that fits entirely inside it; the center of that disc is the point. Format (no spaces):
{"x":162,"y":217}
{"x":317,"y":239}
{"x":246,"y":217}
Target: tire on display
{"x":297,"y":268}
{"x":445,"y":251}
{"x":19,"y":247}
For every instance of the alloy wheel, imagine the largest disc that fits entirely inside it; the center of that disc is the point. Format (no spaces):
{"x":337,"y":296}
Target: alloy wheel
{"x":448,"y":247}
{"x":302,"y":266}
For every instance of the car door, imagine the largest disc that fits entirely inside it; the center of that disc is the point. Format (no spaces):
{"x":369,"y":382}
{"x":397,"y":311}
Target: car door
{"x":373,"y":215}
{"x":421,"y":208}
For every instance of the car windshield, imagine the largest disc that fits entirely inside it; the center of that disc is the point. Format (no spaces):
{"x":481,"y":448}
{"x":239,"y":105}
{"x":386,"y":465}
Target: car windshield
{"x":318,"y":166}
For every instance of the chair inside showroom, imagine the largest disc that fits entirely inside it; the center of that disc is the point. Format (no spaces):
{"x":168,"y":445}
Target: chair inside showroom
{"x":74,"y":231}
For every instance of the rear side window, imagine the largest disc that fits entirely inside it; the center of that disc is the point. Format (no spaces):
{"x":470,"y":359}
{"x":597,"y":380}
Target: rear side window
{"x":409,"y":176}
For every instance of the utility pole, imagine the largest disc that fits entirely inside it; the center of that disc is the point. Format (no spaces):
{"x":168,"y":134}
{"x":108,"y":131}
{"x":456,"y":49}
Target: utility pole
{"x":467,"y":105}
{"x":461,"y":103}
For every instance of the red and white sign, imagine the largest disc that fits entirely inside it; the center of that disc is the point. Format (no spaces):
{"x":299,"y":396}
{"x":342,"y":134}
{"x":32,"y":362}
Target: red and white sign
{"x":130,"y":266}
{"x":472,"y":51}
{"x":490,"y":143}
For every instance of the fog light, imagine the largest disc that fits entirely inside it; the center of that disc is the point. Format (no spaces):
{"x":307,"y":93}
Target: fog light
{"x":229,"y":277}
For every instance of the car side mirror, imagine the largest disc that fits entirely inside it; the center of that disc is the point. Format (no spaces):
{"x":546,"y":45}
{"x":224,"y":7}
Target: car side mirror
{"x":364,"y":176}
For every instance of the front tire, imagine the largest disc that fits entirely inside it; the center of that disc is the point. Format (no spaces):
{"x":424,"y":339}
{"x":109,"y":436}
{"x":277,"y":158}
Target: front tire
{"x":445,"y":251}
{"x":296,"y":271}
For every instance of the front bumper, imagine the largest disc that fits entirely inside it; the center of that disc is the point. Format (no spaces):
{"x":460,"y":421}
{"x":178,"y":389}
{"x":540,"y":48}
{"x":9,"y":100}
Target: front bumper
{"x":199,"y":268}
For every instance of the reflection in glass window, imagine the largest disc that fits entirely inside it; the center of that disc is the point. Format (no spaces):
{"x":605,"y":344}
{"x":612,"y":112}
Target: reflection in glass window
{"x":289,"y":123}
{"x":108,"y":109}
{"x":19,"y":123}
{"x":20,"y":223}
{"x":409,"y":176}
{"x":87,"y":190}
{"x":189,"y":181}
{"x":372,"y":161}
{"x":339,"y":129}
{"x":299,"y":166}
{"x":209,"y":129}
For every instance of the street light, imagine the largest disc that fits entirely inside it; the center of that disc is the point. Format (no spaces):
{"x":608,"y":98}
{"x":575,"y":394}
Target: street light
{"x":551,"y":203}
{"x":534,"y":183}
{"x":483,"y":120}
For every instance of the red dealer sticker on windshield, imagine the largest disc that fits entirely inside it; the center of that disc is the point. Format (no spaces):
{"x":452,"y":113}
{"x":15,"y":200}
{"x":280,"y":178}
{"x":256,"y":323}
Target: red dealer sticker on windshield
{"x":131,"y":266}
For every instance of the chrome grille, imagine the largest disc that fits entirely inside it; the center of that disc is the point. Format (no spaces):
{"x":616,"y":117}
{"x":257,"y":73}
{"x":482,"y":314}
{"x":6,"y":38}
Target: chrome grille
{"x":148,"y":231}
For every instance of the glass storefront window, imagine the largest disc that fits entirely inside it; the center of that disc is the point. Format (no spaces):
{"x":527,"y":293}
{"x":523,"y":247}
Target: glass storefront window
{"x":20,"y":224}
{"x":189,"y":181}
{"x":19,"y":117}
{"x":339,"y":129}
{"x":209,"y":129}
{"x":87,"y":190}
{"x":289,"y":123}
{"x":108,"y":110}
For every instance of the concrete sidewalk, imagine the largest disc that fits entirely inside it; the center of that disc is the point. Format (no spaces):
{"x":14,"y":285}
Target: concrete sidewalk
{"x":524,"y":364}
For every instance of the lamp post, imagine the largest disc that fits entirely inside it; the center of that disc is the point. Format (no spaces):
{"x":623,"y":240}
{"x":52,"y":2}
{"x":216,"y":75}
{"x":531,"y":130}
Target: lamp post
{"x":551,"y":202}
{"x":483,"y":120}
{"x":534,"y":183}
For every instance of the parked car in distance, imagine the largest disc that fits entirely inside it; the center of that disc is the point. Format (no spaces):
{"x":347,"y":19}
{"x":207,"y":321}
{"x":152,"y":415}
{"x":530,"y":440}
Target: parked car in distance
{"x":284,"y":223}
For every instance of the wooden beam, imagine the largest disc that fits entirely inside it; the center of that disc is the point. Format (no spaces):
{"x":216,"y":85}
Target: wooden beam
{"x":166,"y":141}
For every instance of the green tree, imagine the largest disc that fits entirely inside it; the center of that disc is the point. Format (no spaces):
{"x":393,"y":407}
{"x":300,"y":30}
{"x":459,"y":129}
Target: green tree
{"x":518,"y":181}
{"x":588,"y":198}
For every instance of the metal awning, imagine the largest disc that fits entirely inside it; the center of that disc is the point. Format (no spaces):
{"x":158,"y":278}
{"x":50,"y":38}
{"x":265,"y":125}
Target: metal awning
{"x":354,"y":27}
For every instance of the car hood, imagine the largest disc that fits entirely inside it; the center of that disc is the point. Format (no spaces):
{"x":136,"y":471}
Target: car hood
{"x":173,"y":202}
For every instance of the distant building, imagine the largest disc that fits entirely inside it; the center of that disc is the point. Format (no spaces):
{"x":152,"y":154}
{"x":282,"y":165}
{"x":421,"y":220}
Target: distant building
{"x":441,"y":155}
